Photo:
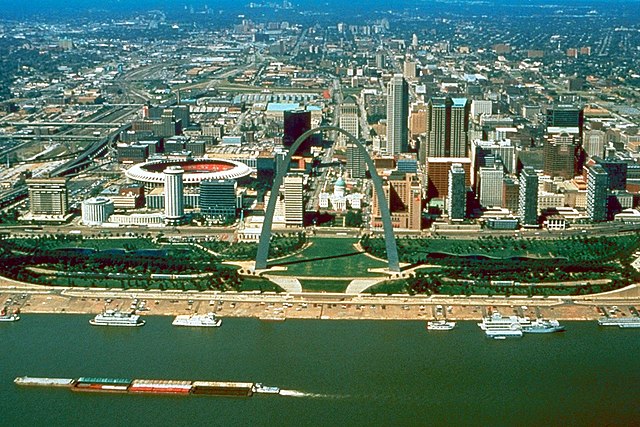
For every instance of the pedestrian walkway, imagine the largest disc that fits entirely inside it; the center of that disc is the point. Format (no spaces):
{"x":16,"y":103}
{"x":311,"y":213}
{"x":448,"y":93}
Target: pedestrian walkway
{"x":360,"y":285}
{"x":289,"y":284}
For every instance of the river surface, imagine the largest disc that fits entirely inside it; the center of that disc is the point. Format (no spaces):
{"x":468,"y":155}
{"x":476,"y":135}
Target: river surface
{"x":335,"y":373}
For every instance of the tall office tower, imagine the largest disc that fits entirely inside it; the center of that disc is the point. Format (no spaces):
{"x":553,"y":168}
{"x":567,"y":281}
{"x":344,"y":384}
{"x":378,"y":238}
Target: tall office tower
{"x":293,"y":200}
{"x":295,"y":124}
{"x":380,"y":59}
{"x":597,"y":193}
{"x":528,"y":197}
{"x":560,"y":156}
{"x":491,"y":186}
{"x":409,"y":69}
{"x":418,"y":120}
{"x":356,"y":166}
{"x":594,"y":142}
{"x":404,"y":195}
{"x":617,"y":170}
{"x":483,"y":153}
{"x":414,"y":40}
{"x":457,"y":193}
{"x":167,"y":126}
{"x":566,"y":116}
{"x":349,"y":119}
{"x":510,"y":194}
{"x":218,"y":198}
{"x":438,"y":174}
{"x":448,"y":127}
{"x":481,"y":107}
{"x":173,"y":194}
{"x":48,"y":196}
{"x":397,"y":115}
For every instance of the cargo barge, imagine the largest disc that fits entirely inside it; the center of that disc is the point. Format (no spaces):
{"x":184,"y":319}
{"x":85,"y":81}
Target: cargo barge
{"x":144,"y":386}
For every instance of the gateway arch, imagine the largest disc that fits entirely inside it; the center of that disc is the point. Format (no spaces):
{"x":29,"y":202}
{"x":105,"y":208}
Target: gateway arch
{"x":265,"y":235}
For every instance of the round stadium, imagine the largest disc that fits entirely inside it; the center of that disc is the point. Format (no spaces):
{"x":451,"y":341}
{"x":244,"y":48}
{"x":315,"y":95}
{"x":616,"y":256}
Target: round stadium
{"x":195,"y":171}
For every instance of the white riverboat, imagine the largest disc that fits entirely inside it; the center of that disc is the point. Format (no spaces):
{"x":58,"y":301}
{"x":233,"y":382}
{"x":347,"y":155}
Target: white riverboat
{"x":498,"y":327}
{"x":440,"y":325}
{"x":116,"y":318}
{"x":208,"y":320}
{"x":621,"y":322}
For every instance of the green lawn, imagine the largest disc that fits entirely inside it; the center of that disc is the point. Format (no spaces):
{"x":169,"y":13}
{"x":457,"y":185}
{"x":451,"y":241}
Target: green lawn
{"x":329,"y":258}
{"x":258,"y":284}
{"x":388,"y":287}
{"x":324,"y":285}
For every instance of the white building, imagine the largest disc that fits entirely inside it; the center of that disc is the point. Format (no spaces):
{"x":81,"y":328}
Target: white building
{"x":294,"y":200}
{"x":491,"y":186}
{"x":96,"y":211}
{"x":479,"y":106}
{"x":173,"y":194}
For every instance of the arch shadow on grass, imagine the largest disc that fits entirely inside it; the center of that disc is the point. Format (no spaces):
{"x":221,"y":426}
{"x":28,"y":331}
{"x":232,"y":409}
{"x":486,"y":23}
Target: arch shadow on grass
{"x":306,"y":260}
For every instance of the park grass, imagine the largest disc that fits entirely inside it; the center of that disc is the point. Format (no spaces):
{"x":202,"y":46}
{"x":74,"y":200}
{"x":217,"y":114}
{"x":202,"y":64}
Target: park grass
{"x":339,"y":286}
{"x":388,"y":287}
{"x":259,"y":284}
{"x":329,"y":258}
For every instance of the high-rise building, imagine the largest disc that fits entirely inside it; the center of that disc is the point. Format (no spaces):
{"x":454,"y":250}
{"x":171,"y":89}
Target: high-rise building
{"x":528,"y":197}
{"x":595,"y":142}
{"x":486,"y":153}
{"x":560,"y":156}
{"x":597,"y":193}
{"x":294,"y":200}
{"x":616,"y":170}
{"x":447,"y":127}
{"x":296,"y":123}
{"x":48,"y":196}
{"x":173,"y":194}
{"x":356,"y":166}
{"x":218,"y":198}
{"x":404,"y":195}
{"x":457,"y":193}
{"x":438,"y":174}
{"x":409,"y":69}
{"x":397,"y":115}
{"x":479,"y":106}
{"x":349,"y":119}
{"x":491,"y":185}
{"x":565,"y":116}
{"x":510,"y":194}
{"x":418,"y":120}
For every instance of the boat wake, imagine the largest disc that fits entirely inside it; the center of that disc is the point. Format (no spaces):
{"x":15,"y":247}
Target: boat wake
{"x":297,"y":393}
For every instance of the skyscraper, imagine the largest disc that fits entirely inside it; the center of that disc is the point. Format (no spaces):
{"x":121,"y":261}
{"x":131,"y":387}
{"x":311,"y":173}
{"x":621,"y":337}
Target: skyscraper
{"x":356,"y":166}
{"x":457,"y":194}
{"x":296,"y":123}
{"x":528,"y":197}
{"x":447,"y":127}
{"x":560,"y":156}
{"x":597,"y":193}
{"x":594,"y":142}
{"x":397,"y":115}
{"x":173,"y":194}
{"x":566,"y":116}
{"x":491,"y":185}
{"x":349,"y":119}
{"x":293,"y":200}
{"x":218,"y":198}
{"x":404,"y":195}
